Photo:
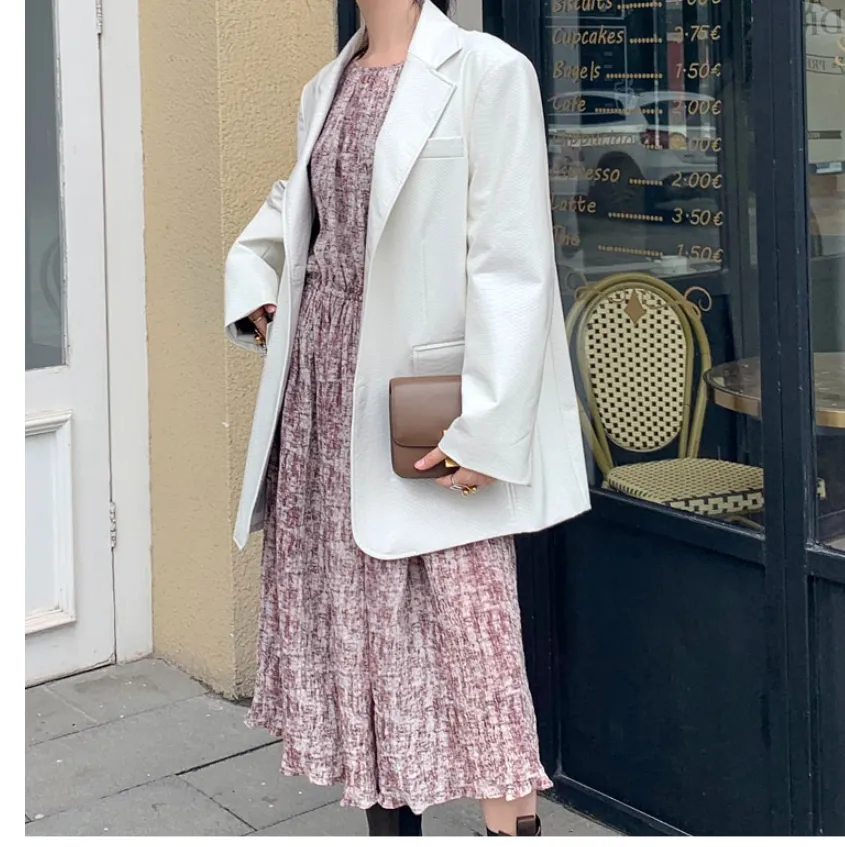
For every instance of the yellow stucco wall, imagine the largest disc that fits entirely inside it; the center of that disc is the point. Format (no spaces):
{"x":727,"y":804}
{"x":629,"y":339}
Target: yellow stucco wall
{"x":220,"y":86}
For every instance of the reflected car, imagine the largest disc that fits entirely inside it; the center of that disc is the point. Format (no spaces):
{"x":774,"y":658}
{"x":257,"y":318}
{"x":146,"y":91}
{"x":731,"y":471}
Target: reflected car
{"x":629,"y":152}
{"x":597,"y":150}
{"x":683,"y":142}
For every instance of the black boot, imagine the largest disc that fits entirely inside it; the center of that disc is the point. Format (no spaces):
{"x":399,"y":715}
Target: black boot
{"x":524,"y":826}
{"x":401,"y":821}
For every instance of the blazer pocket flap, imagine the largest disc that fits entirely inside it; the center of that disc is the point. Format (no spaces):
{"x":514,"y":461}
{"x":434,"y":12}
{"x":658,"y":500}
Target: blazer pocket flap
{"x":445,"y":147}
{"x":446,"y":357}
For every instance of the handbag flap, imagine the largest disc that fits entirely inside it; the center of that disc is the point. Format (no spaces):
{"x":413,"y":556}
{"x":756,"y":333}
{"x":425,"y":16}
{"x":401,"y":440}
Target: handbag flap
{"x":422,"y":408}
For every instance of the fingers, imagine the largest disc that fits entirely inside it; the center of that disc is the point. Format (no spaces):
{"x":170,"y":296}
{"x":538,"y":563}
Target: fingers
{"x":261,"y":325}
{"x":259,"y":319}
{"x":435,"y":457}
{"x":464,"y":478}
{"x":470,"y":479}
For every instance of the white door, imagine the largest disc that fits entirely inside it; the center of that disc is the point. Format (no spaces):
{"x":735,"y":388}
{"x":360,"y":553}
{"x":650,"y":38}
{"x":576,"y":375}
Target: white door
{"x":69,"y":583}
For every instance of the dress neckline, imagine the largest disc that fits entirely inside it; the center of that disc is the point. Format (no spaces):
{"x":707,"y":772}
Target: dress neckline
{"x":356,"y":65}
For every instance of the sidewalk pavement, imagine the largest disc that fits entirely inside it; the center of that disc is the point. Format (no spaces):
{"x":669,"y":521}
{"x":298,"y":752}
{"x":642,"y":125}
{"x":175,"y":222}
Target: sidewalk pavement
{"x":145,"y":750}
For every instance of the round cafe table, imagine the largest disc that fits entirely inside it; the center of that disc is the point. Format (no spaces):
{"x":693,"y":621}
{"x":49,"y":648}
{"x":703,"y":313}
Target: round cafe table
{"x":736,"y":386}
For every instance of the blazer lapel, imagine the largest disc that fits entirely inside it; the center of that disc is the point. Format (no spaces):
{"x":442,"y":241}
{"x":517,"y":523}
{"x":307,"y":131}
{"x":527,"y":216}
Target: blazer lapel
{"x":418,"y":103}
{"x":419,"y":100}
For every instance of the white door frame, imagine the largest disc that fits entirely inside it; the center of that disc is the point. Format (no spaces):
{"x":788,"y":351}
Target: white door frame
{"x":127,"y":326}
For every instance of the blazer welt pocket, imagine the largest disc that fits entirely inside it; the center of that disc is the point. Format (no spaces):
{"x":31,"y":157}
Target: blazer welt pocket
{"x":445,"y":147}
{"x":443,"y":358}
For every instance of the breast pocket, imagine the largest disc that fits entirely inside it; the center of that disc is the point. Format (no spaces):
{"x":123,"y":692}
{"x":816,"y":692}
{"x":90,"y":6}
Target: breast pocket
{"x":445,"y":358}
{"x":444,"y":147}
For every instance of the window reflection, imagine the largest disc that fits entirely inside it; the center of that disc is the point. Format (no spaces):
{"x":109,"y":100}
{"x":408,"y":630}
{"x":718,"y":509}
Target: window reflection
{"x":824,"y":28}
{"x":45,"y":306}
{"x":653,"y":206}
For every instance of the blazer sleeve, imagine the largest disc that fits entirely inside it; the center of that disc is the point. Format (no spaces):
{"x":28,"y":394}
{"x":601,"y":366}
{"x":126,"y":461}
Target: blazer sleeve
{"x":255,"y":262}
{"x":254,"y":268}
{"x":511,"y":275}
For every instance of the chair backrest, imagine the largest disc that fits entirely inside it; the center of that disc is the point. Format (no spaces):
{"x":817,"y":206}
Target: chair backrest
{"x":635,"y":340}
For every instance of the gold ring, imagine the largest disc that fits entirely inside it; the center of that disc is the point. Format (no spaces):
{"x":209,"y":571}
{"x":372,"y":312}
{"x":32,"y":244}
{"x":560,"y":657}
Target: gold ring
{"x":466,"y":490}
{"x":259,"y":339}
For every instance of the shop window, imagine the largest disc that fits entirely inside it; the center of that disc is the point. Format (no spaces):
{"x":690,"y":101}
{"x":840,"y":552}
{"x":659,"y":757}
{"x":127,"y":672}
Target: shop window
{"x":824,"y":27}
{"x":651,"y":169}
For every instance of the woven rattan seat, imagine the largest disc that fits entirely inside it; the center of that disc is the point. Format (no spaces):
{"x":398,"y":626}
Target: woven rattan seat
{"x":703,"y":486}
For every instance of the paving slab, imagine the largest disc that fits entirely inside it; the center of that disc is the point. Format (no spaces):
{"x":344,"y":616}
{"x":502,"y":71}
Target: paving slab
{"x":329,"y":820}
{"x":335,"y":820}
{"x":144,"y":750}
{"x":165,"y":807}
{"x":124,"y":690}
{"x":463,"y":817}
{"x":77,"y":769}
{"x":251,"y":787}
{"x":459,"y":818}
{"x":48,"y":716}
{"x":560,"y":821}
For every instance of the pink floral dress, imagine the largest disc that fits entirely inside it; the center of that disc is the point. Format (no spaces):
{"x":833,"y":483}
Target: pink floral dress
{"x":403,"y":680}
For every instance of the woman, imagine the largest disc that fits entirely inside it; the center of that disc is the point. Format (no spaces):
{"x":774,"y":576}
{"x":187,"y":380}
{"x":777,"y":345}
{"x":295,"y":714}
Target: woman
{"x":412,"y":237}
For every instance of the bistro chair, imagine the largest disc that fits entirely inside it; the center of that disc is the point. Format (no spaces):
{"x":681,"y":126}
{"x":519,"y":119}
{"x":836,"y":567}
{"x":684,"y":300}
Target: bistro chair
{"x":636,"y":343}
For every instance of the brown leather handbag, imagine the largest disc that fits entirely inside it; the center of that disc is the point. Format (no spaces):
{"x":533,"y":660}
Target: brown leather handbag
{"x":422,"y":408}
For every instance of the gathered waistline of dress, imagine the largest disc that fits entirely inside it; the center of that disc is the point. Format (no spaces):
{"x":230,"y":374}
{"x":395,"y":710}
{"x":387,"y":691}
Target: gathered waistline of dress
{"x":318,"y":286}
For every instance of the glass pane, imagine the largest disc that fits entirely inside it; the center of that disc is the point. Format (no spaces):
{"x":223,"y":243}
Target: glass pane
{"x":651,"y":158}
{"x":824,"y":27}
{"x":44,"y":267}
{"x":469,"y":14}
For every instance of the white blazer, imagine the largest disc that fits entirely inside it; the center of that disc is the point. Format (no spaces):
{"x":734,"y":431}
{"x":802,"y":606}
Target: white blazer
{"x":460,"y":277}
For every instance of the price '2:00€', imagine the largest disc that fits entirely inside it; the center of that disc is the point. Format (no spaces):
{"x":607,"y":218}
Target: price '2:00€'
{"x":696,"y":179}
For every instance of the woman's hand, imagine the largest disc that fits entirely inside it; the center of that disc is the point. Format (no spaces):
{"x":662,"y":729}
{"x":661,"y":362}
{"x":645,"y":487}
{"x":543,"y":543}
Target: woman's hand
{"x":260,"y":319}
{"x":462,"y":477}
